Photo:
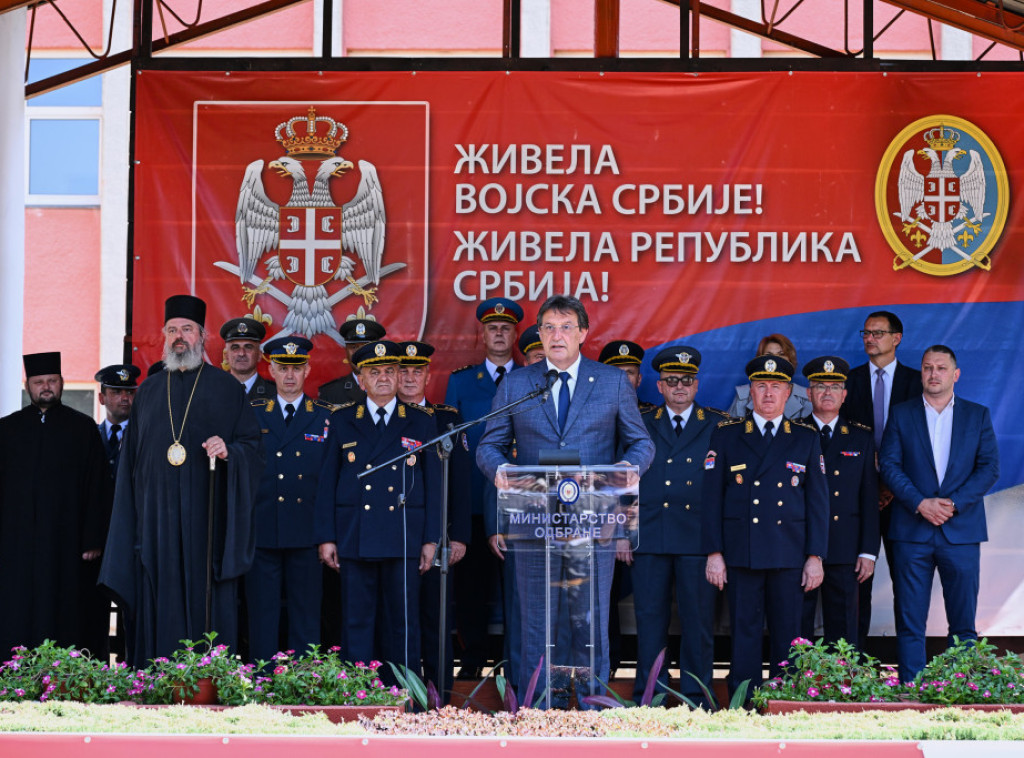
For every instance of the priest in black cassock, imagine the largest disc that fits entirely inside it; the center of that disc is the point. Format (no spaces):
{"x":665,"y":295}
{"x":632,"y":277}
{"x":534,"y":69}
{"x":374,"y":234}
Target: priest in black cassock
{"x":159,"y":542}
{"x":53,"y":517}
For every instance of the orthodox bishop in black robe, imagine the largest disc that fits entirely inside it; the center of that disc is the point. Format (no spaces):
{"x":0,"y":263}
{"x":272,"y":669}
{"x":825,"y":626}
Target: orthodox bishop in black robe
{"x":53,"y":509}
{"x":156,"y":556}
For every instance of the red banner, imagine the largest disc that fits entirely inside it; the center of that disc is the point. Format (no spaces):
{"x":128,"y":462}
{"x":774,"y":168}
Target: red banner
{"x":671,"y":204}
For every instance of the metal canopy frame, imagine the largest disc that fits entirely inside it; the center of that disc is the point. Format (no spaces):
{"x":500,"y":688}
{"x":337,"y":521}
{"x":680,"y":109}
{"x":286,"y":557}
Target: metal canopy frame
{"x":1001,"y":21}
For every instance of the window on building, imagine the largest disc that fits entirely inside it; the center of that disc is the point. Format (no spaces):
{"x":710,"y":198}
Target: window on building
{"x":63,"y":129}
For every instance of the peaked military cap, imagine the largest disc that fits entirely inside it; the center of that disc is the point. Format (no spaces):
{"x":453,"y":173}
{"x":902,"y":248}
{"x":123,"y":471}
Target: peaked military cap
{"x":530,"y":339}
{"x":827,"y":368}
{"x":681,"y":358}
{"x":292,"y":350}
{"x":380,"y":353}
{"x":361,"y":330}
{"x":119,"y":376}
{"x":621,"y":353}
{"x":244,"y":328}
{"x":415,"y":353}
{"x":499,"y":309}
{"x":770,"y":368}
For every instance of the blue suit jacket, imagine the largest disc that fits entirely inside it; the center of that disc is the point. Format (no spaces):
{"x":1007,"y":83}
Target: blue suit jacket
{"x":288,"y":486}
{"x":603,"y":417}
{"x":908,"y":467}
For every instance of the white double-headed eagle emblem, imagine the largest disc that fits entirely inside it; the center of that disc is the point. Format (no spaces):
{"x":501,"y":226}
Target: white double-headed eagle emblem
{"x":309,"y":232}
{"x":942,"y":210}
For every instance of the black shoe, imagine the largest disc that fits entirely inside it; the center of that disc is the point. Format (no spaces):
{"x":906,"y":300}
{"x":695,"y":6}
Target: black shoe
{"x":469,"y":673}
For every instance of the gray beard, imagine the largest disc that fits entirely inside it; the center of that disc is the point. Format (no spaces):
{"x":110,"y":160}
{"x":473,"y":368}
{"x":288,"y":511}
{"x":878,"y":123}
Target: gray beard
{"x":190,"y":359}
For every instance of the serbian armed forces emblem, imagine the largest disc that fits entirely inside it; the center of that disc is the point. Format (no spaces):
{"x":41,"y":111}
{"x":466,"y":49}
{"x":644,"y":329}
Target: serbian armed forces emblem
{"x":302,"y":241}
{"x":942,"y":196}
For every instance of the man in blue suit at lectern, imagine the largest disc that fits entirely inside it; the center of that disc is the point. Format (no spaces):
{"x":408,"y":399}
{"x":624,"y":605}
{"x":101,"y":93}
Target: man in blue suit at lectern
{"x":593,"y":411}
{"x":939,"y":457}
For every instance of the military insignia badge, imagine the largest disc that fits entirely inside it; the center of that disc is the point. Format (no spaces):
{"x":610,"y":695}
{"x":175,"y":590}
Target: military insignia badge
{"x":942,"y":196}
{"x":829,"y":367}
{"x":379,"y":350}
{"x":709,"y":460}
{"x":821,"y":463}
{"x":795,"y":481}
{"x":291,"y":348}
{"x":797,"y":468}
{"x":351,"y":457}
{"x":770,"y":365}
{"x":410,"y":444}
{"x":410,"y":350}
{"x":361,"y":330}
{"x":739,"y":478}
{"x":122,"y":375}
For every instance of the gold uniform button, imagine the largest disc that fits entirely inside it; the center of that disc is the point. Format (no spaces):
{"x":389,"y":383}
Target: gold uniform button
{"x":280,"y":476}
{"x":298,"y":500}
{"x":391,"y":507}
{"x":391,"y":489}
{"x":835,"y":473}
{"x":280,"y":499}
{"x":394,"y":468}
{"x":779,"y":523}
{"x":755,"y":520}
{"x":368,"y":467}
{"x":667,"y":483}
{"x":780,"y":484}
{"x":757,"y":483}
{"x":780,"y":503}
{"x":368,"y":488}
{"x":835,"y":518}
{"x":669,"y":460}
{"x":366,"y":507}
{"x":836,"y":493}
{"x":279,"y":453}
{"x":756,"y":501}
{"x":298,"y":453}
{"x":664,"y":505}
{"x":300,"y":476}
{"x":687,"y":506}
{"x":689,"y":460}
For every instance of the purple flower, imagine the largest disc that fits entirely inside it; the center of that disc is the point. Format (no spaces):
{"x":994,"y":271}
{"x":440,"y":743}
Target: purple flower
{"x":56,"y":663}
{"x":181,"y":666}
{"x":845,"y":690}
{"x":997,"y":672}
{"x":972,"y":686}
{"x":18,"y":690}
{"x":986,"y":693}
{"x":75,"y":654}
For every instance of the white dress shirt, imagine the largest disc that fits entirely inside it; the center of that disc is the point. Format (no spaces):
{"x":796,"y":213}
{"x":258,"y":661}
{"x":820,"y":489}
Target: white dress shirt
{"x":940,"y":432}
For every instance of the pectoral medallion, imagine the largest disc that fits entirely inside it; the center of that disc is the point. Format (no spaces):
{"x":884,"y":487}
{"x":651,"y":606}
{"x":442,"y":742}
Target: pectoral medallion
{"x":176,"y":454}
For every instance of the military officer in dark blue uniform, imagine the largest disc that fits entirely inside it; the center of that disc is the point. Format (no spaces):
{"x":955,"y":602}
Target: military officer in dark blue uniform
{"x":379,"y":531}
{"x":669,"y":551}
{"x":414,"y":373}
{"x":295,"y":430}
{"x":853,"y":536}
{"x":356,"y":332}
{"x":117,"y":393}
{"x":480,"y":581}
{"x":765,"y":521}
{"x":242,"y":338}
{"x":530,"y":345}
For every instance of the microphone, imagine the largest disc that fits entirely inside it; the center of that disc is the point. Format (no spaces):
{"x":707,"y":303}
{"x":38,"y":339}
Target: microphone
{"x":549,"y":381}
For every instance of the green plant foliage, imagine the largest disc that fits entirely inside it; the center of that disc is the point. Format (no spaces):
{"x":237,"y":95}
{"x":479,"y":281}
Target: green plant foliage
{"x":971,"y":671}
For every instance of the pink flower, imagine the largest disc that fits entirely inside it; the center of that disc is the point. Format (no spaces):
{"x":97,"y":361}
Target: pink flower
{"x":959,"y":675}
{"x":845,"y":690}
{"x":812,"y":692}
{"x":335,"y":649}
{"x":799,"y":641}
{"x":841,"y":662}
{"x":997,"y":672}
{"x":986,"y":693}
{"x":972,"y":686}
{"x":280,"y":670}
{"x":375,"y":664}
{"x":343,"y":675}
{"x":361,"y":694}
{"x":75,"y":654}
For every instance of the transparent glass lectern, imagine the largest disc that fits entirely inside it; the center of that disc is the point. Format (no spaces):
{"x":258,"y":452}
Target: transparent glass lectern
{"x":563,"y":525}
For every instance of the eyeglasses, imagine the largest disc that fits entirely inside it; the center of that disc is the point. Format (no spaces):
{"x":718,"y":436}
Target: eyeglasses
{"x":827,"y":388}
{"x":550,"y":329}
{"x":876,"y":333}
{"x":674,"y":381}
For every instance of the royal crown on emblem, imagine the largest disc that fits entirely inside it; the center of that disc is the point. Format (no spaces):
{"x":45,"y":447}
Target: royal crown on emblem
{"x":290,"y":348}
{"x":311,"y":144}
{"x":941,"y":138}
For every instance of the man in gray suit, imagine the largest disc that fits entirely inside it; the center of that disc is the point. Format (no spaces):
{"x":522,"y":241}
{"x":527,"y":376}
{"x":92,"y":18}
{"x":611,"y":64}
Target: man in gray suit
{"x":593,"y":410}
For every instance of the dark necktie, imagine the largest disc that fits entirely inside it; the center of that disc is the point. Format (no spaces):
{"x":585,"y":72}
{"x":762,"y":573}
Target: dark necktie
{"x":289,"y":413}
{"x":501,"y":375}
{"x":563,"y":400}
{"x":381,"y":423}
{"x":766,"y":437}
{"x":878,"y":401}
{"x":114,"y":441}
{"x":677,"y":424}
{"x":826,"y":437}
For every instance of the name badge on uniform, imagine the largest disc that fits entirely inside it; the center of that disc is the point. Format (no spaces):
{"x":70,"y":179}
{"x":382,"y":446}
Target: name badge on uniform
{"x":347,"y":445}
{"x":738,"y":467}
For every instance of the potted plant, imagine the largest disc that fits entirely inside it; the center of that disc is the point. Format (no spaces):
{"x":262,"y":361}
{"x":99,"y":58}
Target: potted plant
{"x":972,"y":672}
{"x":191,"y":674}
{"x":48,"y":672}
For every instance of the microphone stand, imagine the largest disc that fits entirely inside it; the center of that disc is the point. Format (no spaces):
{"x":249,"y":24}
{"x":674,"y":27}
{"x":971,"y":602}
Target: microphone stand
{"x":445,"y":446}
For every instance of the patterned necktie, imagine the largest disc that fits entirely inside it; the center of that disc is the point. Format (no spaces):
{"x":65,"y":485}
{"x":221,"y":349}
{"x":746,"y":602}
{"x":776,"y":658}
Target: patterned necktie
{"x":563,"y":400}
{"x":381,"y":422}
{"x":677,"y":424}
{"x":501,"y":375}
{"x":289,"y":413}
{"x":826,"y":437}
{"x":878,"y":401}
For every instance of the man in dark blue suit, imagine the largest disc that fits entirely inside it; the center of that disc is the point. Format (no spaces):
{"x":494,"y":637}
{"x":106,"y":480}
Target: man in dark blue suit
{"x":380,"y":531}
{"x":295,"y":429}
{"x":669,"y":551}
{"x":765,"y":526}
{"x":939,"y":457}
{"x":873,"y":388}
{"x":413,"y":375}
{"x":852,"y":477}
{"x":594,"y":411}
{"x":483,"y":582}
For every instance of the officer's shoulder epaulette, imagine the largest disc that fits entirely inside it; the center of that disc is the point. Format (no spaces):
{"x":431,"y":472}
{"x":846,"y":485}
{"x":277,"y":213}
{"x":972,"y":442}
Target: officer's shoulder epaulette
{"x":332,"y":407}
{"x":349,"y":404}
{"x":804,"y":423}
{"x":463,"y":368}
{"x":720,"y":412}
{"x":443,"y":407}
{"x":858,"y":425}
{"x":421,"y":408}
{"x":259,"y":402}
{"x":648,"y":408}
{"x":729,"y":422}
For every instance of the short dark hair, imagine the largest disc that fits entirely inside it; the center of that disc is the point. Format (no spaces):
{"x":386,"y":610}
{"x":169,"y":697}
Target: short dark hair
{"x":941,"y":349}
{"x":565,"y":304}
{"x":895,"y":325}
